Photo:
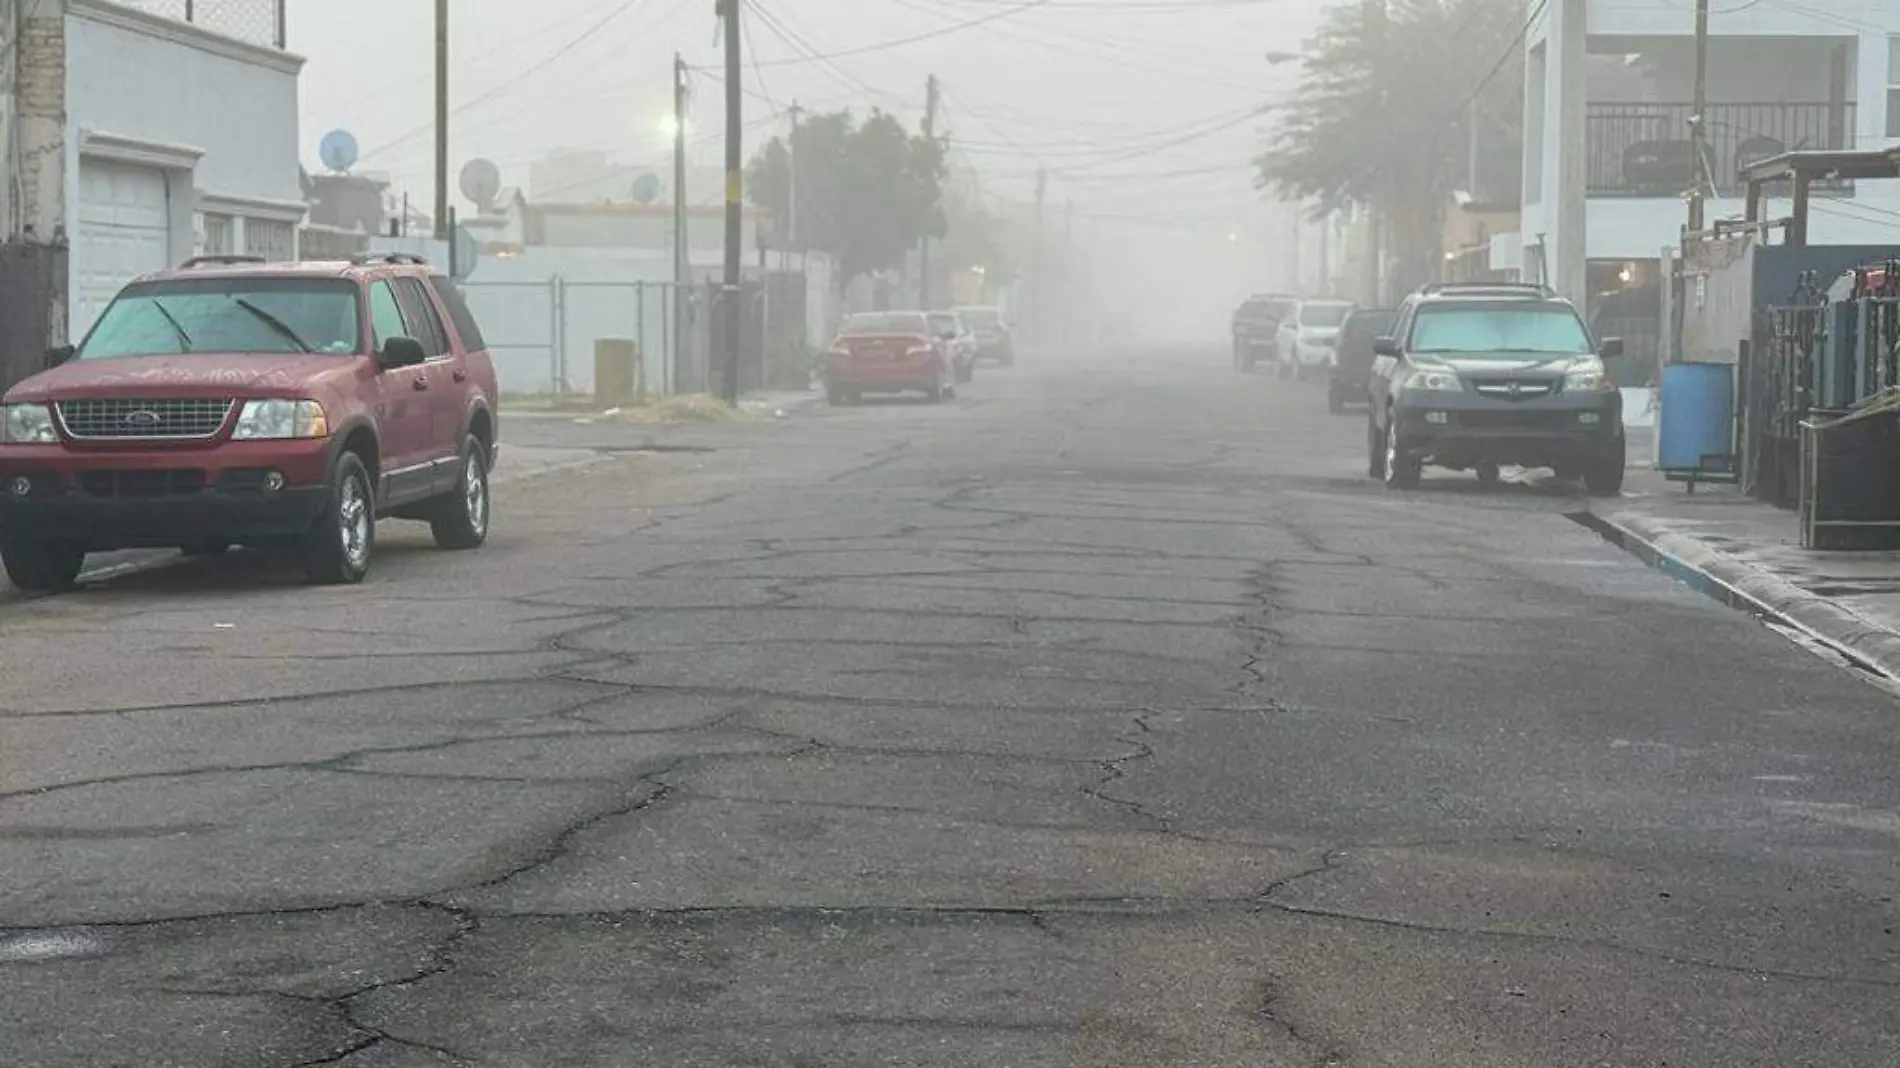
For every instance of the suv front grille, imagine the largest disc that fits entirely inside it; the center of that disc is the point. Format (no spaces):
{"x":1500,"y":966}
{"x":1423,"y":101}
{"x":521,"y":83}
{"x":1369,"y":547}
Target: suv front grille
{"x":116,"y":418}
{"x":1514,"y":388}
{"x":143,"y":482}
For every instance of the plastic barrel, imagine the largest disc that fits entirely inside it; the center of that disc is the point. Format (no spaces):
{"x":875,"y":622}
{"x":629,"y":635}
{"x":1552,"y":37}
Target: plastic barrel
{"x":1696,"y":411}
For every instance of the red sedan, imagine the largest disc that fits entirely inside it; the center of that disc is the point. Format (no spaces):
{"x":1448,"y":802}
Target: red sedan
{"x":888,"y":352}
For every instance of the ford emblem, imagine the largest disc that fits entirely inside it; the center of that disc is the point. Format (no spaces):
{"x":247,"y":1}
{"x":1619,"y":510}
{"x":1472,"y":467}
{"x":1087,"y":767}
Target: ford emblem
{"x":143,"y":419}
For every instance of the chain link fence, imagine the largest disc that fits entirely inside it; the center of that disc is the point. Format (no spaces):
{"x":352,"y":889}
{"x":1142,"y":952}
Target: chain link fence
{"x":257,"y":21}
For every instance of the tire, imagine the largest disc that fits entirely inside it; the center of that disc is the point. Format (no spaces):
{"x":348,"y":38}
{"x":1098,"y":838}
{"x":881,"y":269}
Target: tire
{"x":834,"y":397}
{"x":338,"y":550}
{"x":461,"y":519}
{"x":1603,"y":472}
{"x":1375,"y":449}
{"x":938,"y":391}
{"x":1401,"y":472}
{"x":43,"y":567}
{"x":1488,"y":475}
{"x":1335,"y":404}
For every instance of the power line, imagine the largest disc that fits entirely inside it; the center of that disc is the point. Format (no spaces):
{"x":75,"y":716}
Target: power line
{"x":900,"y":42}
{"x":797,"y":42}
{"x":765,"y":91}
{"x":543,"y":64}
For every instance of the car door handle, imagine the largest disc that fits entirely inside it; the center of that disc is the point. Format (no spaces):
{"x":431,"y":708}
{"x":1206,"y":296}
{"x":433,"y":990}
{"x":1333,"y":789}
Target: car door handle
{"x":420,"y":384}
{"x":459,"y":375}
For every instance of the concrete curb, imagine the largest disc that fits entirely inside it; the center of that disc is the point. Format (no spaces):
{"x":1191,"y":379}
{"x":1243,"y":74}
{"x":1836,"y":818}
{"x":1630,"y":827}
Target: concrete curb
{"x":1742,"y":585}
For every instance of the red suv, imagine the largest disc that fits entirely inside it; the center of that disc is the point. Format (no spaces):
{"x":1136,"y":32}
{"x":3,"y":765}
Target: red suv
{"x":238,"y":402}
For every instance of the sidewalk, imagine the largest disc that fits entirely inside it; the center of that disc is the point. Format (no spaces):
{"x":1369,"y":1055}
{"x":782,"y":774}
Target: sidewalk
{"x":1748,"y":555}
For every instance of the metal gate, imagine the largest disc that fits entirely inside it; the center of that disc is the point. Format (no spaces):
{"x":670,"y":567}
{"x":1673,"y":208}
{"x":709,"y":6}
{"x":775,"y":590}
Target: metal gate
{"x":1778,"y":382}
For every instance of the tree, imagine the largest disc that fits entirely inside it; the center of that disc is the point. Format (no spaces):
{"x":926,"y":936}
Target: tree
{"x":867,"y":192}
{"x":973,"y":236}
{"x":1380,"y":118}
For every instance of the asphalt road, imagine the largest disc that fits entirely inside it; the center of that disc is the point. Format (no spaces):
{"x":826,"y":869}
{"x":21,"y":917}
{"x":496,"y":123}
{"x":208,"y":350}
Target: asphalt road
{"x":1107,"y":717}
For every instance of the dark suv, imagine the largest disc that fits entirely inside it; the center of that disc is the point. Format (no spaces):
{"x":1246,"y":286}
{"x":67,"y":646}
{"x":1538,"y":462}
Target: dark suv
{"x":1475,"y":376}
{"x":275,"y":405}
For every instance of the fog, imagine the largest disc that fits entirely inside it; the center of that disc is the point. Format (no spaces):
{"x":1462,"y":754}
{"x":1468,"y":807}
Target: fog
{"x":1137,"y":109}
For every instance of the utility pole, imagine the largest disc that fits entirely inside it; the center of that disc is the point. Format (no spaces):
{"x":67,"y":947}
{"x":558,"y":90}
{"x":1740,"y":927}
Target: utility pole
{"x":923,"y":248}
{"x":1036,"y":275}
{"x":1698,"y":135}
{"x":734,"y":308}
{"x":442,"y":121}
{"x":1375,"y":223}
{"x":1069,"y":260}
{"x":791,"y":198}
{"x":682,"y":264}
{"x":1325,"y":288}
{"x":1295,"y":283}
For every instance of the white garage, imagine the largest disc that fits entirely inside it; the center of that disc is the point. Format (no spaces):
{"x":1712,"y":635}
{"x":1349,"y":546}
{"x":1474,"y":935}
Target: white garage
{"x":124,"y":229}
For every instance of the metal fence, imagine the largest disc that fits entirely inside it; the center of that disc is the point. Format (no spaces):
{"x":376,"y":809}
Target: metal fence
{"x":1644,"y":149}
{"x":1778,"y":383}
{"x":541,"y":334}
{"x":257,"y":21}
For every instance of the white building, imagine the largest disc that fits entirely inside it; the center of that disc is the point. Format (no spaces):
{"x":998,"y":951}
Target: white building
{"x":1609,"y":88}
{"x":179,"y":140}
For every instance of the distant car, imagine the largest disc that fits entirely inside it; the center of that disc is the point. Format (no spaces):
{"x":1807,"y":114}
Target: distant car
{"x":1306,"y":337}
{"x":888,"y":352}
{"x":237,"y":402}
{"x":1476,"y":376}
{"x":961,"y":342}
{"x":994,"y":338}
{"x":1352,"y":368}
{"x":1256,"y":327}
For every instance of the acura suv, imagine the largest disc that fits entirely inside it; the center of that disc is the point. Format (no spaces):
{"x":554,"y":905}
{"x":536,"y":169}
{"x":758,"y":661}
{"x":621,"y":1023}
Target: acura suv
{"x":1474,"y":376}
{"x":237,"y":402}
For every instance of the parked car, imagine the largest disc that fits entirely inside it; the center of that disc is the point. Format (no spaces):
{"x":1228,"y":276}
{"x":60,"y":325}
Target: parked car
{"x":995,"y":340}
{"x":1306,"y":336}
{"x":1476,"y":376}
{"x":888,"y":352}
{"x":1352,"y":368}
{"x":962,"y":344}
{"x":237,"y":402}
{"x":1256,"y":328}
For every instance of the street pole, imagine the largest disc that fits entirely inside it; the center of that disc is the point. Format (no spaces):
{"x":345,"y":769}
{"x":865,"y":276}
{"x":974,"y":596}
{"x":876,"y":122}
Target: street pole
{"x":1375,"y":12}
{"x":1325,"y":256}
{"x":682,"y":266}
{"x":923,"y":249}
{"x":1036,"y":274}
{"x":442,"y":121}
{"x":1295,"y":284}
{"x":1697,"y":127}
{"x":791,"y":198}
{"x":1069,"y":261}
{"x":735,"y":133}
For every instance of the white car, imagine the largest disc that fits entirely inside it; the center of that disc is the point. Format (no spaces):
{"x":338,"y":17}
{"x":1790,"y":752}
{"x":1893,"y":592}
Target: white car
{"x":1309,"y":336}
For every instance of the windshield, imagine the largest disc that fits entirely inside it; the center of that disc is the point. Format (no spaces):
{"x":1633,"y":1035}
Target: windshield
{"x":1324,"y":315}
{"x":860,"y":325}
{"x":1500,"y":329}
{"x":232,"y":314}
{"x":1366,"y":325}
{"x":945,"y":324}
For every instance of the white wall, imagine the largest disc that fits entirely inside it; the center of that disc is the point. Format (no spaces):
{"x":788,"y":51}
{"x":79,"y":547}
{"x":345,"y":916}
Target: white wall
{"x":1817,"y":18}
{"x":1624,"y":229}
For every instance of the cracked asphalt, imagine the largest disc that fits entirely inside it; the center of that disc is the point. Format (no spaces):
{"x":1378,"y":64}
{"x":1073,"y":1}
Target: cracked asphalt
{"x":1106,"y":717}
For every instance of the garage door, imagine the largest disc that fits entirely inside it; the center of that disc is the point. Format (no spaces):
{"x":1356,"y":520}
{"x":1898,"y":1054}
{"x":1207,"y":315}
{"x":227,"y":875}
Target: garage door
{"x":124,"y":231}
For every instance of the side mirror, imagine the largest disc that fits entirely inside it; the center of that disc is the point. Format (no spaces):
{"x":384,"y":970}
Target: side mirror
{"x":1385,"y":346}
{"x":1610,"y":348}
{"x":401,"y":352}
{"x":59,"y":354}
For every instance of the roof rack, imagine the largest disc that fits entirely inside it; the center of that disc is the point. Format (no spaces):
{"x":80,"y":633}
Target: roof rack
{"x":1526,"y":288}
{"x":362,"y":258}
{"x":218,"y":260}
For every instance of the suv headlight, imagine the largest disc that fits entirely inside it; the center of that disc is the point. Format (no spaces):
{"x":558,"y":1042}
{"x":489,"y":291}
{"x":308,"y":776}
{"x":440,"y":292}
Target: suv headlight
{"x":1588,"y":377}
{"x":1433,"y":381}
{"x":264,"y":420}
{"x":27,"y":424}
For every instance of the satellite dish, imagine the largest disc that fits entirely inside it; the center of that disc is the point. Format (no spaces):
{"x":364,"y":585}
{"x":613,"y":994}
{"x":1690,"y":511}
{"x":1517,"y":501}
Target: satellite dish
{"x":337,"y":150}
{"x":481,"y":181}
{"x":646,"y":188}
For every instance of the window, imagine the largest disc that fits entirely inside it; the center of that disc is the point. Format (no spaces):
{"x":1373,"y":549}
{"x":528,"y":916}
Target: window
{"x":424,"y":324}
{"x":385,"y":314}
{"x":217,"y":234}
{"x":886,"y":323}
{"x":459,"y":314}
{"x":261,"y":315}
{"x":1501,"y":330}
{"x":1893,"y":87}
{"x":273,"y":240}
{"x":1323,"y":314}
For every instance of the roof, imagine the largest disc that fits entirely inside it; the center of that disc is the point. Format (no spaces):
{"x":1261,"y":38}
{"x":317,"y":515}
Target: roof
{"x":1850,"y":166}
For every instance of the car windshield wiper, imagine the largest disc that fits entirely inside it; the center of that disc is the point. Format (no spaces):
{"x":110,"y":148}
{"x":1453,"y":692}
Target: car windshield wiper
{"x":274,"y":323}
{"x":184,"y":339}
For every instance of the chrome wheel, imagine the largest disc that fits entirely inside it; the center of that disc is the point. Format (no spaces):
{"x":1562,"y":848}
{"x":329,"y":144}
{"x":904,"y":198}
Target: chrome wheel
{"x":475,"y":493}
{"x":353,"y":522}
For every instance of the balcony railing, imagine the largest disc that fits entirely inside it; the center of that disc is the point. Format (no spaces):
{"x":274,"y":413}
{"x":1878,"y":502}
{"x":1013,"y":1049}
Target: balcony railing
{"x":257,"y":21}
{"x":1644,"y":150}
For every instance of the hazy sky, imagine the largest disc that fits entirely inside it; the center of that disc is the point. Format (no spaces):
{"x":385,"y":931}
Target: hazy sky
{"x":1092,"y":89}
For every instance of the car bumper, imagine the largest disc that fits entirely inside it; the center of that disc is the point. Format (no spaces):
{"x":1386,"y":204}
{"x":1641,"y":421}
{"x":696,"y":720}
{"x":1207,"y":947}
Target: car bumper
{"x":1315,"y":356}
{"x":158,"y":498}
{"x":875,"y":376}
{"x":1461,"y":431}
